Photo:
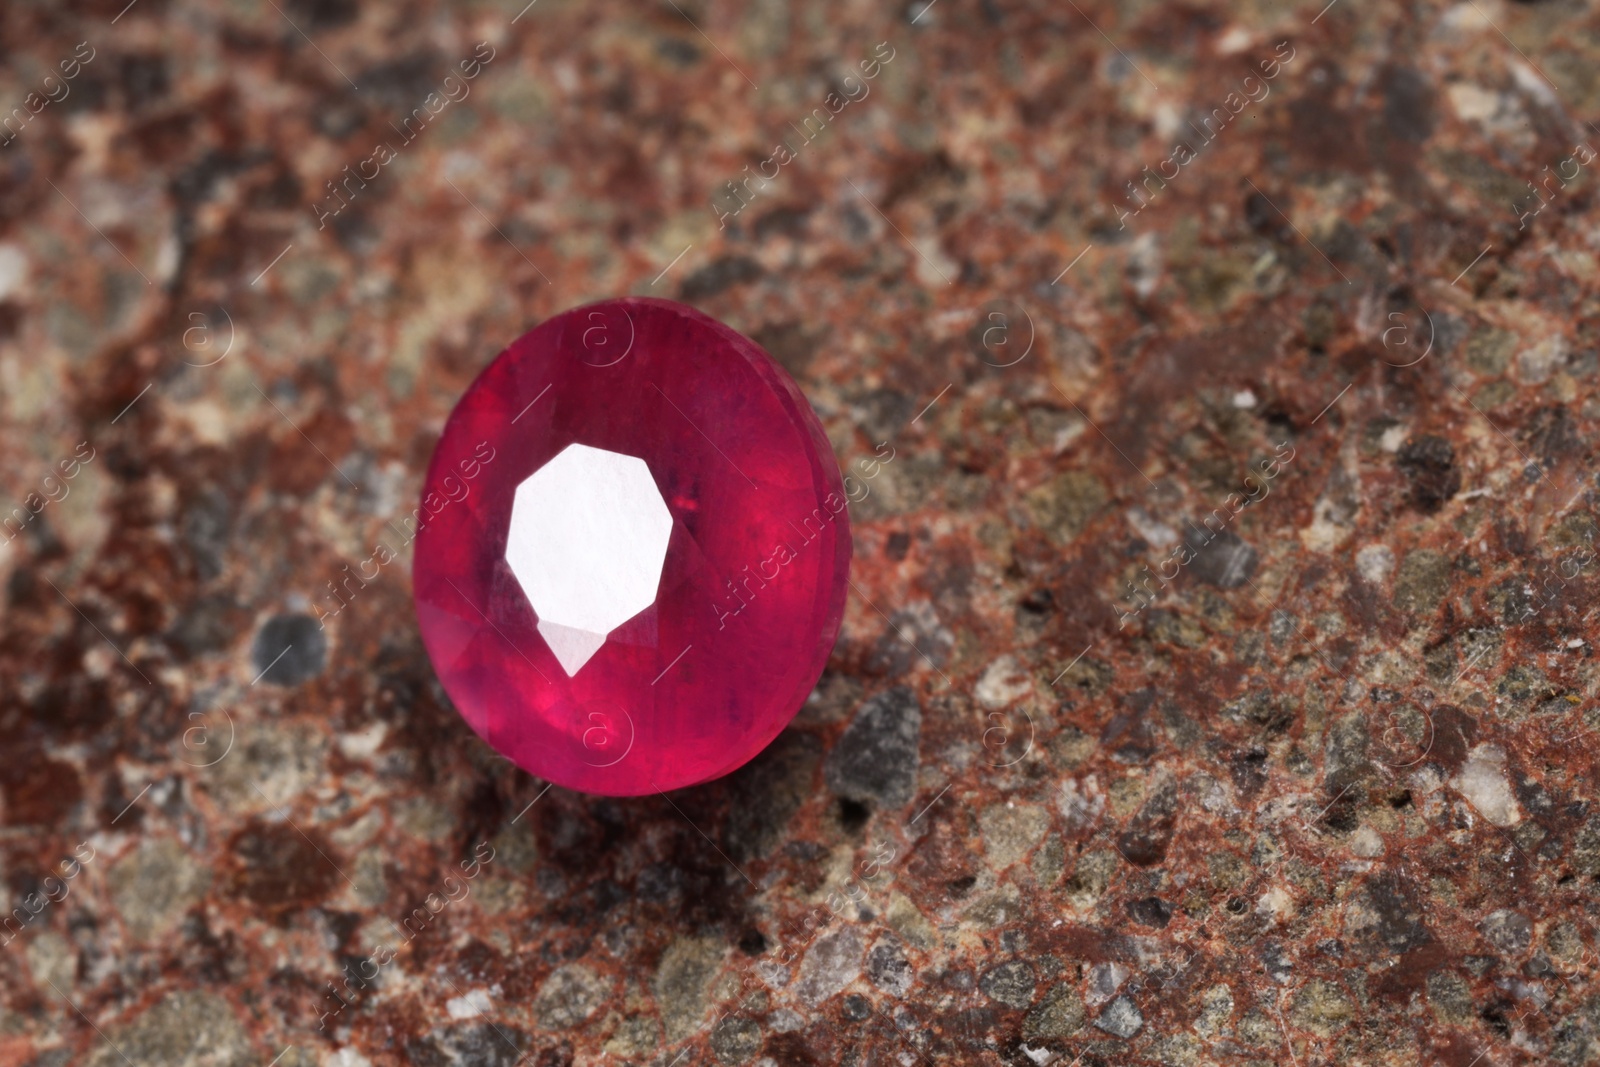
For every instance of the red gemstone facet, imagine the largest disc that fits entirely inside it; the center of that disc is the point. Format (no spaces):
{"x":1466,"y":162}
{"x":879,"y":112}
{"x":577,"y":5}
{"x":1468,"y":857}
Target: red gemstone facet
{"x":635,"y":543}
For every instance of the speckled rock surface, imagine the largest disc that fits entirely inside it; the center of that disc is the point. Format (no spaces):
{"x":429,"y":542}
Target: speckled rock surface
{"x":1217,"y":681}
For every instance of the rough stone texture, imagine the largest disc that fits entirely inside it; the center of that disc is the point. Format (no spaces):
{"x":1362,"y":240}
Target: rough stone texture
{"x":463,"y":1045}
{"x":1011,"y":984}
{"x":830,"y":965}
{"x":888,"y":967}
{"x":153,"y":886}
{"x":1322,"y":792}
{"x":735,"y":1041}
{"x":768,"y":791}
{"x":682,"y":984}
{"x":1059,"y":1014}
{"x":569,"y":996}
{"x":1010,"y":831}
{"x":875,"y":759}
{"x":191,"y":1028}
{"x":1120,"y":1018}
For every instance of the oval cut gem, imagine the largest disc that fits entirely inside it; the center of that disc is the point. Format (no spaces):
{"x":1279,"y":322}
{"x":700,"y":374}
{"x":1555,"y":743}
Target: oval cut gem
{"x":633,"y":551}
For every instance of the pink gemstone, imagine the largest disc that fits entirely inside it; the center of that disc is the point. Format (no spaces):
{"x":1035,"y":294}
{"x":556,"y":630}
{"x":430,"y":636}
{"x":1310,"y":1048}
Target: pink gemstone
{"x":634,"y":548}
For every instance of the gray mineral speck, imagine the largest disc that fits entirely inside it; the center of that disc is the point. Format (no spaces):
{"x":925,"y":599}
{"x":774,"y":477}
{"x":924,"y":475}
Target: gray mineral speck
{"x":1120,"y":1018}
{"x":469,"y":1045}
{"x":154,"y":884}
{"x":1509,"y":931}
{"x":830,"y":965}
{"x":1010,"y":831}
{"x":189,"y":1029}
{"x":888,"y":968}
{"x":289,"y":650}
{"x":1010,"y":983}
{"x":1059,"y":1014}
{"x":735,"y":1041}
{"x":875,"y":760}
{"x":1224,"y":560}
{"x":682,"y":981}
{"x":569,"y":996}
{"x":1423,"y":581}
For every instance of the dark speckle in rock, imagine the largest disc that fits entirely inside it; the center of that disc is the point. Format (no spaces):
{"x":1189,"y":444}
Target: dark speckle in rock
{"x":469,"y":1045}
{"x":1275,"y":961}
{"x":856,"y":1007}
{"x":677,"y":51}
{"x":208,"y":624}
{"x":767,"y":792}
{"x":144,"y":78}
{"x":1429,"y":464}
{"x":717,"y":276}
{"x":875,"y":759}
{"x":1399,"y":919}
{"x":735,"y":1040}
{"x":853,"y":814}
{"x":398,"y":82}
{"x":323,"y":14}
{"x":1407,"y":104}
{"x":1248,"y":770}
{"x":205,"y":526}
{"x":1148,"y":836}
{"x":1551,"y":434}
{"x":790,"y":343}
{"x":289,"y":650}
{"x":888,"y":968}
{"x":1150,"y":911}
{"x":278,"y":868}
{"x":1223,"y":560}
{"x":1012,"y":984}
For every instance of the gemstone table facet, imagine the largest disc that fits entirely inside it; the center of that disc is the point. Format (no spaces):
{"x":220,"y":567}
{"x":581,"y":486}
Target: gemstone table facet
{"x":634,"y":549}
